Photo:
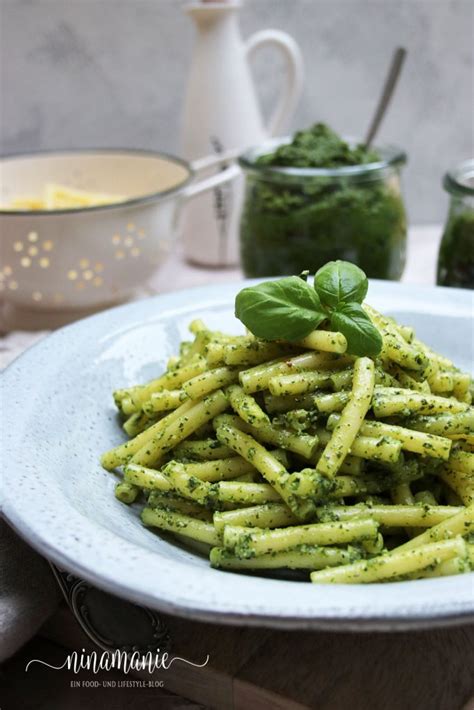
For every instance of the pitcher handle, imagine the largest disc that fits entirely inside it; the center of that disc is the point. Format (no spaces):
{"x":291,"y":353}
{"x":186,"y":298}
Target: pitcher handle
{"x":295,"y":74}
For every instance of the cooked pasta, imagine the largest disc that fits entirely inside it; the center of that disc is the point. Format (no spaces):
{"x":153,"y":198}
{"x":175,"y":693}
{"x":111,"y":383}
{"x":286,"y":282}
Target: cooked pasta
{"x":299,"y":455}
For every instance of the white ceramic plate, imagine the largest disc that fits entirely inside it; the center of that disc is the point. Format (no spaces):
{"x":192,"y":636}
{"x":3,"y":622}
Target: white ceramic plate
{"x":59,"y":417}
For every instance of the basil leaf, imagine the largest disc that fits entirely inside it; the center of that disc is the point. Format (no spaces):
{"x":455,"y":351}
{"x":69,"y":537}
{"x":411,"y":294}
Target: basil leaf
{"x":287,"y":309}
{"x":340,"y":282}
{"x":362,"y":336}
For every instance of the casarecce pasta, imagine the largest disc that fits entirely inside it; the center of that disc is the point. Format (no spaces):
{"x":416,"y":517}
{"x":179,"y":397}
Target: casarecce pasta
{"x":299,"y":455}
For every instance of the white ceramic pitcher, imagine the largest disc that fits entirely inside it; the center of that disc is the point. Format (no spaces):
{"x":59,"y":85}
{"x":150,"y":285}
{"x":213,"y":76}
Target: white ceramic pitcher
{"x":221,"y":114}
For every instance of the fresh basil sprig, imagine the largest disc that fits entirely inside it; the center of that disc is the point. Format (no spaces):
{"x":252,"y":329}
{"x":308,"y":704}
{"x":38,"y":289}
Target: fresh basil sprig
{"x":340,"y":282}
{"x":362,"y":336}
{"x":289,"y":308}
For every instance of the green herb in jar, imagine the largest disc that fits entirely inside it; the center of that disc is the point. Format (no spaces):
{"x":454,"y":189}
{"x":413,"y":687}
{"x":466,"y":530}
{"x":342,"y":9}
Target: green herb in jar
{"x":319,"y":199}
{"x":456,"y":254}
{"x":318,"y":147}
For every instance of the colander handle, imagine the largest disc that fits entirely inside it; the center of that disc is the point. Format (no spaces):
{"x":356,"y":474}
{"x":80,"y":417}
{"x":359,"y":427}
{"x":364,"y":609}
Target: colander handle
{"x":206,"y":184}
{"x":213,"y":161}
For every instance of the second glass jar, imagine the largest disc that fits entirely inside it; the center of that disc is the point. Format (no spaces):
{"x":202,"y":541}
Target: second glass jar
{"x":456,"y":254}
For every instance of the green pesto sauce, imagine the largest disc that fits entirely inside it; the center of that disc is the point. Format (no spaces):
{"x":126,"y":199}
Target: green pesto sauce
{"x":318,"y":147}
{"x":456,"y":255}
{"x":295,"y":224}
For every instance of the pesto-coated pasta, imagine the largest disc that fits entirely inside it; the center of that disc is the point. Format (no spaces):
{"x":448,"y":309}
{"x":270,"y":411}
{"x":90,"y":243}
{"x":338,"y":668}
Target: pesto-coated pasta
{"x":202,"y":450}
{"x":394,"y":564}
{"x":209,"y":381}
{"x":414,"y":441}
{"x":301,"y":455}
{"x":326,"y":341}
{"x":268,"y":515}
{"x":180,"y":428}
{"x":219,"y":469}
{"x":172,"y":379}
{"x":246,"y":407}
{"x":389,"y":401}
{"x":257,"y":378}
{"x":422,"y":516}
{"x":270,"y":468}
{"x":123,"y":453}
{"x":171,"y":501}
{"x":351,"y":419}
{"x":182,"y":524}
{"x":251,"y":542}
{"x":299,"y":383}
{"x":163,"y":401}
{"x":306,"y":557}
{"x":461,"y":483}
{"x":126,"y":492}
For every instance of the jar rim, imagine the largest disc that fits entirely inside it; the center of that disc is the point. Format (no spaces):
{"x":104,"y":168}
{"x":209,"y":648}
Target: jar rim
{"x":460,"y":180}
{"x":391,"y":156}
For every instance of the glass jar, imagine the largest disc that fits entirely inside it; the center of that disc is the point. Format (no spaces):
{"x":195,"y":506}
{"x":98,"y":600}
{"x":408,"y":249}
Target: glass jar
{"x":299,"y":218}
{"x":456,"y":253}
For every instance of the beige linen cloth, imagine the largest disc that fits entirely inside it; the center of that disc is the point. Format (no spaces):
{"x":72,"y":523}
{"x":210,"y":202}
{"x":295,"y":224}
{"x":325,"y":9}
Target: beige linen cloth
{"x":29,"y":593}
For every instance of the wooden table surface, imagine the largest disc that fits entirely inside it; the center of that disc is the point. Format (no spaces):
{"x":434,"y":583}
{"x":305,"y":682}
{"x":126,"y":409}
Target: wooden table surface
{"x":256,"y":668}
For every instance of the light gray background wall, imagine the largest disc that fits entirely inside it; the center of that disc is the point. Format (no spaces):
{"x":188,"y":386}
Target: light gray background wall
{"x":112,"y":72}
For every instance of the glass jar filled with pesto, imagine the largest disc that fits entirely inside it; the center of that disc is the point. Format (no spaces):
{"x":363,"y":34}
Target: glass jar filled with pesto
{"x":316,"y":198}
{"x":456,"y":254}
